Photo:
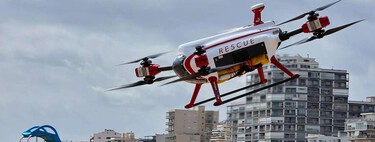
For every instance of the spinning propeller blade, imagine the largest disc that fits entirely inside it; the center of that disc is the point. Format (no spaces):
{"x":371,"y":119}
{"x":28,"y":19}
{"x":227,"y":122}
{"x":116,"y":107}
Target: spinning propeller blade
{"x":138,"y":83}
{"x":331,"y":31}
{"x":141,"y":82}
{"x":309,"y":13}
{"x":300,"y":42}
{"x":163,"y":78}
{"x":328,"y":32}
{"x":146,"y":58}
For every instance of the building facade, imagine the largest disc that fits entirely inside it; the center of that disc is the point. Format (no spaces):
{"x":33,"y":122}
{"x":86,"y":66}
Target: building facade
{"x":323,"y":138}
{"x":191,"y":125}
{"x":220,"y":134}
{"x":357,"y":107}
{"x":315,"y":103}
{"x":361,"y":129}
{"x":111,"y":136}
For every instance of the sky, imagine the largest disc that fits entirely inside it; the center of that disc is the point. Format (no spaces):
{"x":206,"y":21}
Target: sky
{"x":57,"y":57}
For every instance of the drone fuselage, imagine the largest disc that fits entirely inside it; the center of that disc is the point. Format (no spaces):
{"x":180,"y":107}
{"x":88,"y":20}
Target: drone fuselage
{"x":245,"y":47}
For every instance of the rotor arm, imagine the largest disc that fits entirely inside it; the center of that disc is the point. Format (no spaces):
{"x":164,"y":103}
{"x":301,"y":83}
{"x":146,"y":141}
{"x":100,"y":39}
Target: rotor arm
{"x":167,"y":68}
{"x":286,"y":35}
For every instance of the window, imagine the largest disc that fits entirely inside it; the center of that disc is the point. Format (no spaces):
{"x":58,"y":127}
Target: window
{"x":290,"y":104}
{"x":290,"y":90}
{"x":277,"y":89}
{"x":290,"y":112}
{"x":314,"y":75}
{"x":302,"y":82}
{"x":301,"y":120}
{"x":301,"y":105}
{"x":327,"y":91}
{"x":313,"y":90}
{"x":327,"y":76}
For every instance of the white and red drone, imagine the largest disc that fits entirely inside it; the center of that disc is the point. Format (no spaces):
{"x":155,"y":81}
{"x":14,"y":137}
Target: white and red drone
{"x":222,"y":57}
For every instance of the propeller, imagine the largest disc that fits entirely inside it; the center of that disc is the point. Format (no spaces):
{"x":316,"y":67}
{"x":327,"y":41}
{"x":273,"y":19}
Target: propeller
{"x":146,"y":59}
{"x":202,"y":72}
{"x":311,"y":13}
{"x":142,"y":82}
{"x":322,"y":33}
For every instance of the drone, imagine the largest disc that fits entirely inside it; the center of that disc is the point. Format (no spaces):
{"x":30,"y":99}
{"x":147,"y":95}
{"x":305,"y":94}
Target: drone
{"x":231,"y":54}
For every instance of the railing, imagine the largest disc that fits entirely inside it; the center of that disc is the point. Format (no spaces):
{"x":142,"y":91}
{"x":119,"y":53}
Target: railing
{"x":364,"y":136}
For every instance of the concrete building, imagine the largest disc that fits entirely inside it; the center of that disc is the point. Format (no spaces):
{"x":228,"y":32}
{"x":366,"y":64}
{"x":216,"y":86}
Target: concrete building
{"x":160,"y":137}
{"x":315,"y":103}
{"x":361,"y":129}
{"x":112,"y":136}
{"x":323,"y":138}
{"x":358,"y":107}
{"x":191,"y":125}
{"x":220,"y":134}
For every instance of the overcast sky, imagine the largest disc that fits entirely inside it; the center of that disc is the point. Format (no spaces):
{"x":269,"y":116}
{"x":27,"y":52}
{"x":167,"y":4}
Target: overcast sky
{"x":57,"y":57}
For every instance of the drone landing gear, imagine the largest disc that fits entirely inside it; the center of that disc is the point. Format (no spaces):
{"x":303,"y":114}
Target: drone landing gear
{"x":195,"y":94}
{"x":215,"y":89}
{"x":281,"y":67}
{"x":245,"y":94}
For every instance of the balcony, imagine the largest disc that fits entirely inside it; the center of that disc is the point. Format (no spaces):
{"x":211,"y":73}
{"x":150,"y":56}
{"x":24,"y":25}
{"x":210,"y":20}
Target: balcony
{"x":326,"y":107}
{"x":289,"y":129}
{"x":340,"y":116}
{"x":289,"y":121}
{"x":326,"y":123}
{"x":341,"y":100}
{"x":276,"y":129}
{"x":349,"y":128}
{"x":277,"y":107}
{"x":354,"y":109}
{"x":170,"y":117}
{"x":367,"y":137}
{"x":169,"y":123}
{"x":169,"y":129}
{"x":370,"y":127}
{"x":312,"y":122}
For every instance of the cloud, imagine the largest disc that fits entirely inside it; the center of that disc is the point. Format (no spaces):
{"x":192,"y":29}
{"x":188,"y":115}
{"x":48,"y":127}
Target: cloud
{"x":56,"y":57}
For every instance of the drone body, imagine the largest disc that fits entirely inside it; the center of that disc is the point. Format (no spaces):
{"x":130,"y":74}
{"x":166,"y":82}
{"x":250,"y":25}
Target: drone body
{"x":252,"y":45}
{"x":222,"y":57}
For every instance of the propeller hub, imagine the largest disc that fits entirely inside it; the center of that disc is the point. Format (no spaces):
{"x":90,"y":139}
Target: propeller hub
{"x":313,"y":16}
{"x":199,"y":50}
{"x":149,"y":79}
{"x":319,"y":33}
{"x":146,"y":62}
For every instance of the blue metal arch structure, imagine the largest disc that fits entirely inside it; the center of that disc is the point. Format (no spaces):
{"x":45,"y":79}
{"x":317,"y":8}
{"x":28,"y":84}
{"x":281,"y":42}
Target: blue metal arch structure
{"x":41,"y":131}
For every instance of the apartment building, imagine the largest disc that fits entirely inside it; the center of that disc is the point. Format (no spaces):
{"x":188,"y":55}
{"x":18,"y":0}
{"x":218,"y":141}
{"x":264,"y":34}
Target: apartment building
{"x":361,"y":129}
{"x":193,"y":125}
{"x":220,"y":134}
{"x":315,"y":103}
{"x":112,"y":136}
{"x":355,"y":108}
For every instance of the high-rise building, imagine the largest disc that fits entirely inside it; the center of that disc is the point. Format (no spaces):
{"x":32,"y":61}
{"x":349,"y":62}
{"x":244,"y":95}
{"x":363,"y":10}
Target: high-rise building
{"x":193,"y":125}
{"x":315,"y":103}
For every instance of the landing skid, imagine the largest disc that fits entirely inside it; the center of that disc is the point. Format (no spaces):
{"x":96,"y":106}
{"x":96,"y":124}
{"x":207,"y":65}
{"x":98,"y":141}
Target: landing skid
{"x":246,"y":94}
